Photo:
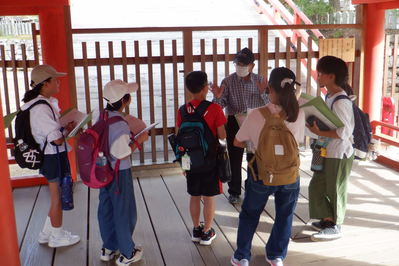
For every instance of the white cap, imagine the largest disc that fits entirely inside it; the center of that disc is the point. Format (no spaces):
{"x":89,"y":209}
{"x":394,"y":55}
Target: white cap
{"x":42,"y":72}
{"x":116,"y":89}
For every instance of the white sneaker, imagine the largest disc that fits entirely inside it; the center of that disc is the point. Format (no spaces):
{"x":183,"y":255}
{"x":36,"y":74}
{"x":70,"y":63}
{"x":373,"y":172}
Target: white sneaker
{"x":137,"y":255}
{"x":236,"y":262}
{"x":64,"y":238}
{"x":107,"y":254}
{"x":275,"y":262}
{"x":43,"y":237}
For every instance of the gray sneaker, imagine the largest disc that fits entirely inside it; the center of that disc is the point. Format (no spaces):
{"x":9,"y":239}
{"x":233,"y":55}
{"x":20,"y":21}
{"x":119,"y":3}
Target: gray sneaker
{"x":331,"y":232}
{"x":234,"y":199}
{"x":319,"y":225}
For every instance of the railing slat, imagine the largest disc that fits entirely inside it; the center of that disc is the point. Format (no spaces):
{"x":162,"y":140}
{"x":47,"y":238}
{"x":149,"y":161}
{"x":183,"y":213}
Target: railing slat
{"x":226,"y":58}
{"x":151,"y":98}
{"x":277,"y":52}
{"x":214,"y":59}
{"x":25,"y":66}
{"x":138,"y":81}
{"x":15,"y":75}
{"x":175,"y":81}
{"x":202,"y":49}
{"x":164,"y":107}
{"x":288,"y":52}
{"x":238,"y":44}
{"x":111,"y":60}
{"x":298,"y":61}
{"x":99,"y":76}
{"x":86,"y":79}
{"x":124,"y":68}
{"x":309,"y":68}
{"x":5,"y":84}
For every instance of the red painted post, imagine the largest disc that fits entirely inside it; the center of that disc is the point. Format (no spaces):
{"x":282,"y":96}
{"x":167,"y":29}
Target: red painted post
{"x":373,"y":21}
{"x":9,"y":254}
{"x":53,"y":34}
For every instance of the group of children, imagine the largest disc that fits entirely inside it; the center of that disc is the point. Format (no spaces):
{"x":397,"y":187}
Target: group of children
{"x":117,"y":213}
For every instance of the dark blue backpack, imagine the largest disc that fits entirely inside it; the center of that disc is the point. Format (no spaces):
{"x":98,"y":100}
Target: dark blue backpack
{"x":362,"y":131}
{"x":196,"y":139}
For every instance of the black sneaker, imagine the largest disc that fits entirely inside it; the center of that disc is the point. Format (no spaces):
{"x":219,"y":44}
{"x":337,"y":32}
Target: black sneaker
{"x":197,"y":233}
{"x":234,"y":199}
{"x":319,"y":225}
{"x":332,"y":231}
{"x":208,"y":237}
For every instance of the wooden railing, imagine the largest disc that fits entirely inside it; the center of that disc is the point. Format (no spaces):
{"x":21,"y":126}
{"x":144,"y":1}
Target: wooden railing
{"x":158,"y":65}
{"x":392,"y":141}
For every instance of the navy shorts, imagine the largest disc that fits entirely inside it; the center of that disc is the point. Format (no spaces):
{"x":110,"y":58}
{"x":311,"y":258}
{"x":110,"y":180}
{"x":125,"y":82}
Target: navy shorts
{"x":203,"y":184}
{"x":50,"y":168}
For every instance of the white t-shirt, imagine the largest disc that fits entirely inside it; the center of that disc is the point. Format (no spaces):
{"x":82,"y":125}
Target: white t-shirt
{"x":253,"y":124}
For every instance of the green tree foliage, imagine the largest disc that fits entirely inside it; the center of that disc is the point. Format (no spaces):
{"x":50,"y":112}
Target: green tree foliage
{"x":316,"y":10}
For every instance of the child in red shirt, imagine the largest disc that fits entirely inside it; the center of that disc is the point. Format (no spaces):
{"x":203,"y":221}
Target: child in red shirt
{"x":205,"y":185}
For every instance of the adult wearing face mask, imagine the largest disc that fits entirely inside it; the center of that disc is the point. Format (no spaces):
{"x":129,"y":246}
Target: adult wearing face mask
{"x":237,"y":93}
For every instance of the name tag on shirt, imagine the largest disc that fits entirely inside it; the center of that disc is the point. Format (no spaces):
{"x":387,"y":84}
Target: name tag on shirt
{"x":278,"y":150}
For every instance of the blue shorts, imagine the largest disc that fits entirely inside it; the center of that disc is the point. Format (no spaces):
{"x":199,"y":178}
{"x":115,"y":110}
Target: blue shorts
{"x":50,"y":168}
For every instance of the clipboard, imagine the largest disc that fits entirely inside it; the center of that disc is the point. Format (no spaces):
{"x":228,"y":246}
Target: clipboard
{"x":145,"y":130}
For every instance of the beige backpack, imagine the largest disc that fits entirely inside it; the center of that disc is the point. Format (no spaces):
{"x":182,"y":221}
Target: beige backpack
{"x":277,"y":155}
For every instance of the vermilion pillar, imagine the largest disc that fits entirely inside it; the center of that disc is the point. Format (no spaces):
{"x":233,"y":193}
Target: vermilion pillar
{"x":8,"y":236}
{"x":374,"y":33}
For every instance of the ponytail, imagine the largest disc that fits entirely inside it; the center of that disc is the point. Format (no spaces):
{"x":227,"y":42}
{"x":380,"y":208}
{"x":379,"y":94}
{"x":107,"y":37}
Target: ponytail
{"x":288,"y":101}
{"x":35,"y":91}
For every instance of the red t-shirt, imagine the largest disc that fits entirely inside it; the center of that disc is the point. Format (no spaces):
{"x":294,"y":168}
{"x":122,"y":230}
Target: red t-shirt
{"x":213,"y":116}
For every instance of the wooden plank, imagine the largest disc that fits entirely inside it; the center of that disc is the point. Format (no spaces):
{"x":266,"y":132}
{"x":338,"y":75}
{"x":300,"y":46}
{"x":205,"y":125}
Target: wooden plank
{"x":298,"y":62}
{"x":124,"y":68}
{"x":163,"y":100}
{"x":111,"y":60}
{"x":138,"y":93}
{"x":15,"y":75}
{"x":34,"y":40}
{"x":75,"y":221}
{"x":238,"y":44}
{"x":250,"y":44}
{"x":226,"y":58}
{"x":277,"y":52}
{"x":188,"y":57}
{"x":215,"y":63}
{"x":309,"y":68}
{"x":151,"y":100}
{"x":25,"y":66}
{"x":202,"y":55}
{"x":86,"y":79}
{"x":24,"y":202}
{"x":99,"y":76}
{"x":175,"y":81}
{"x":263,"y":48}
{"x":220,"y":251}
{"x":5,"y":84}
{"x":288,"y":53}
{"x":168,"y":224}
{"x":31,"y":252}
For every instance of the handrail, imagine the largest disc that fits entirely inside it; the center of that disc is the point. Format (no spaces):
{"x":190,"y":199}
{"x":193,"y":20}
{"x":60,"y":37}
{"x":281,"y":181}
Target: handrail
{"x":376,"y":125}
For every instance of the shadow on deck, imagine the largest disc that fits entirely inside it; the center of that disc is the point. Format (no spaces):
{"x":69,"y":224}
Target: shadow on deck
{"x":371,"y":229}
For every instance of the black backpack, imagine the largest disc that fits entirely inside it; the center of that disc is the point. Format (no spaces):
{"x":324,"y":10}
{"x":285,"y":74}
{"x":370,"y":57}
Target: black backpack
{"x":362,"y":131}
{"x":27,"y":151}
{"x":196,"y":139}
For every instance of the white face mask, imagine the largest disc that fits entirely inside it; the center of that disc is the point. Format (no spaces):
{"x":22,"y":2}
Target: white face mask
{"x":242,"y":71}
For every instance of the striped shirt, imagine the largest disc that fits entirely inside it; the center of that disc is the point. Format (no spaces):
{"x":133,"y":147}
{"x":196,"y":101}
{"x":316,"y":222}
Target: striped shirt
{"x":240,"y":94}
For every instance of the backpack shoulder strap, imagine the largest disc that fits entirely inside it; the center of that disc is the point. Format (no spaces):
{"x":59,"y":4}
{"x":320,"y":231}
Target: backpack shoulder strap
{"x":201,"y":108}
{"x":339,"y":97}
{"x":41,"y":102}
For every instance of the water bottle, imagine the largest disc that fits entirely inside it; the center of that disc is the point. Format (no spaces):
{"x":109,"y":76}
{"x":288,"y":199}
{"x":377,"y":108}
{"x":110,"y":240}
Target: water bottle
{"x":101,"y":159}
{"x":66,"y":193}
{"x":22,"y":146}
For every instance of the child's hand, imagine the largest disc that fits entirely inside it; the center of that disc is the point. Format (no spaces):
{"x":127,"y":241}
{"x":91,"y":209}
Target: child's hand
{"x":143,"y":137}
{"x":217,"y":91}
{"x":262,"y":85}
{"x":314,"y":128}
{"x":71,"y":125}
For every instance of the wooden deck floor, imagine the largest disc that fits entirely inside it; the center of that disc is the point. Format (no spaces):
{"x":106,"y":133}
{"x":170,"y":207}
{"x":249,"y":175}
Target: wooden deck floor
{"x":371,"y":229}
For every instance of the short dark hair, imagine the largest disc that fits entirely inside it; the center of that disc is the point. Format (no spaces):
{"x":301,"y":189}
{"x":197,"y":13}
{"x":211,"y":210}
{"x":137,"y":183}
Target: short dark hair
{"x":196,"y":81}
{"x":245,"y":56}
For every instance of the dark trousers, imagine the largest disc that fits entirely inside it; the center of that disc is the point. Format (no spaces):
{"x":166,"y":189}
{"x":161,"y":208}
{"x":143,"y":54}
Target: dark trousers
{"x":235,"y":155}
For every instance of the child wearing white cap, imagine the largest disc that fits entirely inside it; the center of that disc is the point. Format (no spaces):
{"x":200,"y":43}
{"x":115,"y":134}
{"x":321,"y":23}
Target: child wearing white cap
{"x":117,"y":214}
{"x":49,"y":134}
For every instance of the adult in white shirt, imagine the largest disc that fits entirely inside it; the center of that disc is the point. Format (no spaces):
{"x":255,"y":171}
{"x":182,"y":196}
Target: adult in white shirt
{"x":328,"y":188}
{"x":282,"y":97}
{"x":48,"y":133}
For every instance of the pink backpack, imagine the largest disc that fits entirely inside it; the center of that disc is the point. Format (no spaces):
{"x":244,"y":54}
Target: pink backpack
{"x":91,"y":142}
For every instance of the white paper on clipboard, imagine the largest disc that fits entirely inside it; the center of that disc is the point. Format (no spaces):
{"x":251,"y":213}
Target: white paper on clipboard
{"x":146,"y":130}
